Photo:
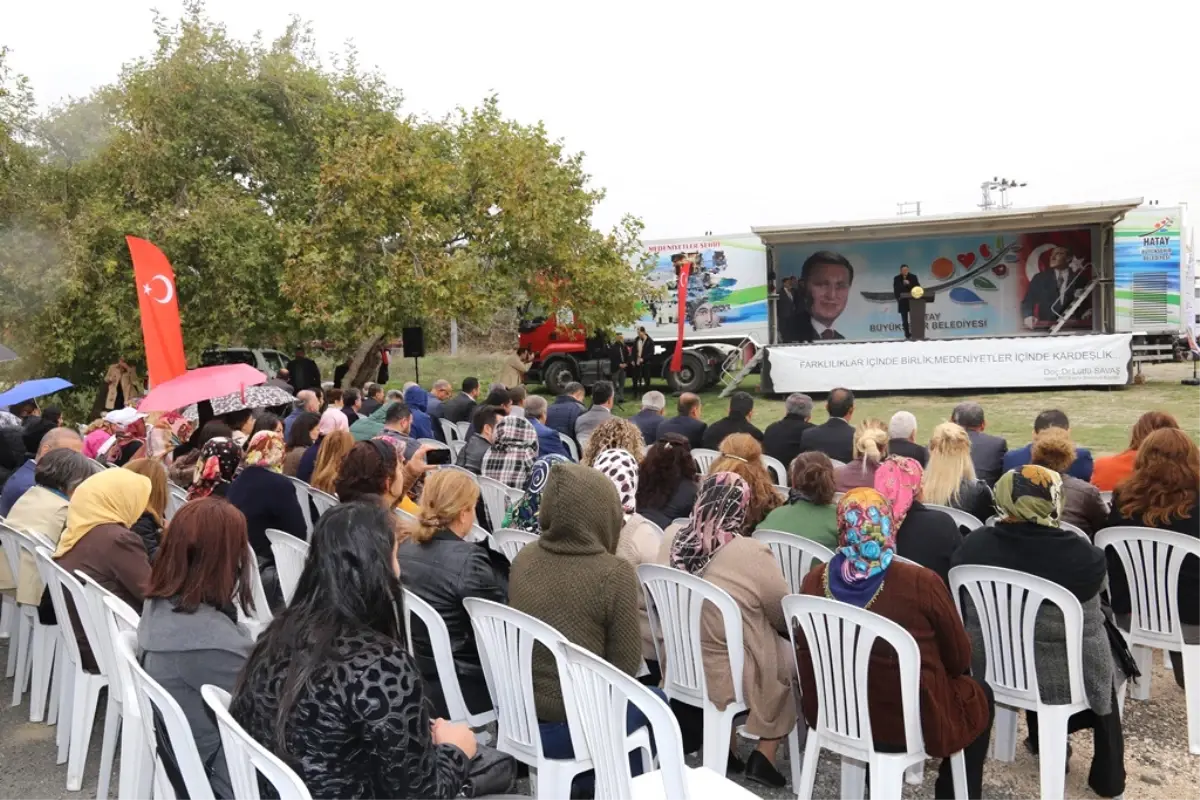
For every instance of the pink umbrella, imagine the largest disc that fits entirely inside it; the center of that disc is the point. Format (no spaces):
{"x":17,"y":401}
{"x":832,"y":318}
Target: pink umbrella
{"x":200,"y":384}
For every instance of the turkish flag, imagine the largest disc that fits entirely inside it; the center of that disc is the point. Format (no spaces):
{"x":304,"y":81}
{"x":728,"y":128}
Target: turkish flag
{"x":159,"y":305}
{"x":681,"y":315}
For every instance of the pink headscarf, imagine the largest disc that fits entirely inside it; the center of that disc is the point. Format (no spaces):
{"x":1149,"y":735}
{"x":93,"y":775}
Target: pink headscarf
{"x":899,"y":479}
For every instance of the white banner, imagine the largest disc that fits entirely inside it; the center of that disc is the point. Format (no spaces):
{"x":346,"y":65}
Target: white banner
{"x":1024,"y":361}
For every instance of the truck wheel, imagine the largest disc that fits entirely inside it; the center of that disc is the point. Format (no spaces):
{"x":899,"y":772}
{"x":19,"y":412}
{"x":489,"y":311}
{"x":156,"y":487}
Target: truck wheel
{"x":557,"y":373}
{"x":691,"y":378}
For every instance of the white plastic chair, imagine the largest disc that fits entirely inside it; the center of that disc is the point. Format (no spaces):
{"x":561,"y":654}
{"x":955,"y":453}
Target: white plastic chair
{"x":32,"y":645}
{"x":456,"y":447}
{"x":135,"y":775}
{"x":837,"y":464}
{"x":1152,"y":559}
{"x":463,"y":470}
{"x":505,"y":638}
{"x":464,"y":430}
{"x":572,"y":448}
{"x":262,"y":615}
{"x":510,"y":541}
{"x":704,"y":459}
{"x":322,"y":500}
{"x":603,"y":694}
{"x":1107,"y":498}
{"x":795,"y":554}
{"x":176,"y":497}
{"x":783,"y":492}
{"x":680,"y":521}
{"x":495,"y":500}
{"x":1007,"y":603}
{"x":960,"y":517}
{"x":777,"y":469}
{"x":290,"y":554}
{"x":247,"y":758}
{"x":450,"y":431}
{"x":1075,"y":529}
{"x":302,"y":494}
{"x":443,"y":658}
{"x":840,"y":638}
{"x":434,"y":443}
{"x":152,"y":697}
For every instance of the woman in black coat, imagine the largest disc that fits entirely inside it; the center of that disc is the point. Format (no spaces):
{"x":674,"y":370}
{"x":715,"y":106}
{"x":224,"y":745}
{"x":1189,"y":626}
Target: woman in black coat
{"x":265,"y":496}
{"x":667,"y":481}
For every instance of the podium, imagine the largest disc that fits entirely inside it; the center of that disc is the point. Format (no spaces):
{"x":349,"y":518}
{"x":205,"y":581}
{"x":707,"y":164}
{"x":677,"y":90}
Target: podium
{"x":916,"y":313}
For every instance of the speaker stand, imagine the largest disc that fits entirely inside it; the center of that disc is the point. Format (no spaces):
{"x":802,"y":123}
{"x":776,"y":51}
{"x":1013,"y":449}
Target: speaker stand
{"x":417,"y":369}
{"x":1193,"y":381}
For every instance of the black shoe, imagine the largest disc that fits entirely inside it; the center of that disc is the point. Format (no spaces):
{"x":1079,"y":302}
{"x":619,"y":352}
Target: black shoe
{"x":735,"y":765}
{"x":760,"y":770}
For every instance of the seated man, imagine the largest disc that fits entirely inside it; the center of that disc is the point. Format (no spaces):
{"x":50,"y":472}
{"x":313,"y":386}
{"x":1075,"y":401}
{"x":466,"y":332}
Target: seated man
{"x":1081,"y":467}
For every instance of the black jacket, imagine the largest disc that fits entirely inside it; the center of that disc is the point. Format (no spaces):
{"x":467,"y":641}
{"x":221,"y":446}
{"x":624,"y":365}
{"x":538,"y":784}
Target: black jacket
{"x":728,"y":426}
{"x":648,"y":422}
{"x":647,"y":351}
{"x":975,"y":498}
{"x":304,"y":374}
{"x":268,"y":500}
{"x":678,"y":505}
{"x":902,"y":284}
{"x":907,"y":449}
{"x":834,"y":438}
{"x":930,"y":538}
{"x":781,"y":439}
{"x":618,"y":355}
{"x":987,"y":454}
{"x":459,"y":408}
{"x":689,"y":427}
{"x":339,"y":374}
{"x":562,"y":413}
{"x":150,"y":531}
{"x":471,"y":457}
{"x":442,"y":572}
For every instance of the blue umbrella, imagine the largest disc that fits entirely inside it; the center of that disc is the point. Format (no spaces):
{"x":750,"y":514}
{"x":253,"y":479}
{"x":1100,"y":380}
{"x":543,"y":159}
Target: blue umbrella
{"x":31,"y":389}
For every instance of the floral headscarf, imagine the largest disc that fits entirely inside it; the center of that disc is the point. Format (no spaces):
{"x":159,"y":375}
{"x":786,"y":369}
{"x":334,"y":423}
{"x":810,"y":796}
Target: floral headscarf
{"x":1030,"y":494}
{"x":717,"y":518}
{"x":622,"y":469}
{"x":867,"y":539}
{"x":899,"y":479}
{"x":266,"y":449}
{"x":215,"y":468}
{"x":170,"y":430}
{"x":524,"y":515}
{"x":512,"y":454}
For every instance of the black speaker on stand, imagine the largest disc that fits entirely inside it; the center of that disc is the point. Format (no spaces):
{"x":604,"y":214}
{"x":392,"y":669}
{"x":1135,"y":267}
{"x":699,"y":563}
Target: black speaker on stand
{"x":414,"y":347}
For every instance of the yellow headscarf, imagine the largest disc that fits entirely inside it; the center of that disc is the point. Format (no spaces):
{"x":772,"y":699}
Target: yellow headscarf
{"x":113,"y":496}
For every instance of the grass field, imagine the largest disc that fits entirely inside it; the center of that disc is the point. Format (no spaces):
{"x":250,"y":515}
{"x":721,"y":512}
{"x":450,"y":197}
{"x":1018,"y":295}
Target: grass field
{"x":1100,"y":418}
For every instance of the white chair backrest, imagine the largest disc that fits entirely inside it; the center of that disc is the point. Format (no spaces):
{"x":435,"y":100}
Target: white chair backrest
{"x":322,"y":500}
{"x":795,"y":554}
{"x":1151,"y":559}
{"x":783,"y":492}
{"x":659,"y":531}
{"x":837,"y":464}
{"x":302,"y":495}
{"x":464,"y":430}
{"x":1075,"y":529}
{"x":505,"y":638}
{"x":1006,"y":603}
{"x":450,"y":431}
{"x":443,"y":655}
{"x":495,"y":498}
{"x":704,"y":459}
{"x":961,"y":518}
{"x":12,"y":542}
{"x":176,"y":497}
{"x":152,"y":697}
{"x":247,"y":758}
{"x":262,"y":609}
{"x":456,"y":447}
{"x":71,"y":594}
{"x":405,"y":516}
{"x":681,"y":521}
{"x":120,"y":617}
{"x":840,"y":637}
{"x":51,"y":575}
{"x":290,"y":554}
{"x":674,"y":603}
{"x":1107,"y":498}
{"x":569,"y":443}
{"x":837,"y":496}
{"x":510,"y":541}
{"x":434,"y":443}
{"x":602,"y":694}
{"x":463,"y":470}
{"x":99,"y":635}
{"x":777,"y":469}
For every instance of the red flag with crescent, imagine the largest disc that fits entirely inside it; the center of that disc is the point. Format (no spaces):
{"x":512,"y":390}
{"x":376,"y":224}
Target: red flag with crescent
{"x":681,"y":315}
{"x":157,"y":300}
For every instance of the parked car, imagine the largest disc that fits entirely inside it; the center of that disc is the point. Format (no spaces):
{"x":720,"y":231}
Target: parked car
{"x":268,"y":362}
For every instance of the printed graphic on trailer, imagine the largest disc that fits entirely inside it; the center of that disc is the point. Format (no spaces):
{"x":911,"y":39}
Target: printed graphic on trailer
{"x":981,"y":285}
{"x":1148,"y":251}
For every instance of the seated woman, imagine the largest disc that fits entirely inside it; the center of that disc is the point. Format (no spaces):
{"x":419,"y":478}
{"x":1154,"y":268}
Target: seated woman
{"x":327,"y":426}
{"x":1161,"y":493}
{"x":712,"y":546}
{"x":956,"y":709}
{"x":810,"y":511}
{"x":438,"y":565}
{"x":302,"y":436}
{"x":613,"y":434}
{"x":264,"y":496}
{"x":741,"y":454}
{"x":333,"y":450}
{"x":1112,"y":470}
{"x":266,"y":421}
{"x":374,"y":471}
{"x":1028,"y":538}
{"x":667,"y":481}
{"x":924,"y":535}
{"x":215,"y":469}
{"x":183,"y":463}
{"x":241,"y":422}
{"x":189,"y":635}
{"x":1082,"y":505}
{"x":870,"y":448}
{"x":950,"y":480}
{"x":523,"y":516}
{"x":149,"y":525}
{"x":330,"y":688}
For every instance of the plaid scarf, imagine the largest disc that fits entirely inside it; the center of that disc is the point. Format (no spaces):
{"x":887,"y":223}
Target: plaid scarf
{"x":512,"y":455}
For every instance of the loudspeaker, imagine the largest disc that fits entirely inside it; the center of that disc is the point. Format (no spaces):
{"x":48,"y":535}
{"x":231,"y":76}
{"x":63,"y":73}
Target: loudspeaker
{"x":414,"y":342}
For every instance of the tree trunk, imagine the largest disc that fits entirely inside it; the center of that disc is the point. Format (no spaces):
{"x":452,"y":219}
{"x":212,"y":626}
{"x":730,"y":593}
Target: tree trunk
{"x":364,"y":366}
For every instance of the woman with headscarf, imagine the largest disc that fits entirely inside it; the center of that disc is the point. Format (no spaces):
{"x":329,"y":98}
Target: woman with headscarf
{"x":956,"y":709}
{"x":99,"y":542}
{"x":167,"y":433}
{"x":512,"y":454}
{"x":130,"y":442}
{"x":924,"y":535}
{"x":524,"y":515}
{"x":1027,"y":537}
{"x":262,"y":493}
{"x":215,"y":469}
{"x":712,"y":546}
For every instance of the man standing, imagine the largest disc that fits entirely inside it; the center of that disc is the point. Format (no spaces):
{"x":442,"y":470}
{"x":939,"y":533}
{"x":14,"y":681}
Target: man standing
{"x":741,"y":409}
{"x":460,"y":408}
{"x":618,"y":356}
{"x":21,"y":480}
{"x":512,"y":371}
{"x":600,"y":412}
{"x":566,"y":410}
{"x":686,"y":422}
{"x":987,"y":451}
{"x":643,"y":350}
{"x":650,"y":418}
{"x":781,"y":439}
{"x":549,"y":442}
{"x":903,"y":284}
{"x":123,"y":385}
{"x":834,"y":437}
{"x":339,"y":373}
{"x":304,"y":371}
{"x":785,"y":311}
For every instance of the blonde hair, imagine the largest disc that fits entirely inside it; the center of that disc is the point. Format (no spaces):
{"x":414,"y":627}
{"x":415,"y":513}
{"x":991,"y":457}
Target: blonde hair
{"x":1053,"y":449}
{"x":870,"y":441}
{"x":448,"y":492}
{"x":330,"y":455}
{"x":949,"y":465}
{"x":157,"y":473}
{"x":741,"y":454}
{"x":614,"y":434}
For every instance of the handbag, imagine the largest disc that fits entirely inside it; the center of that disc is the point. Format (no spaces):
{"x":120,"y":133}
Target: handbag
{"x":490,"y":772}
{"x":1122,"y":655}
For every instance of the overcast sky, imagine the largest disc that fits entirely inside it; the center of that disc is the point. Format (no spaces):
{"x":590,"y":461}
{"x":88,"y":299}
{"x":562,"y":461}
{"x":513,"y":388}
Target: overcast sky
{"x":698,"y":117}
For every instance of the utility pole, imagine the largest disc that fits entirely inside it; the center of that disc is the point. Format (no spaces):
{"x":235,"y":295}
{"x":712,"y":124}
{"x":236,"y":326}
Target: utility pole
{"x":908,"y":207}
{"x":1002,"y":185}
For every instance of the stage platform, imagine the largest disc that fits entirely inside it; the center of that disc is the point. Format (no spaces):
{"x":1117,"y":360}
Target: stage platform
{"x":967,"y":362}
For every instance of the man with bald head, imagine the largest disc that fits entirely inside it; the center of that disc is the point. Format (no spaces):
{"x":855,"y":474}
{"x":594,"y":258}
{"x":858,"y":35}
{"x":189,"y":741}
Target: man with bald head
{"x":687,"y":422}
{"x":306,"y":400}
{"x":22,"y":480}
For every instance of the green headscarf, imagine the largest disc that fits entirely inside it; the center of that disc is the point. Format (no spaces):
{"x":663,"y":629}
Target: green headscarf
{"x":1030,"y":494}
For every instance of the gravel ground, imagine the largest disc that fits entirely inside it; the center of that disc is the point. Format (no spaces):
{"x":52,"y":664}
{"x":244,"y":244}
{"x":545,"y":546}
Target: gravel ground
{"x":1156,"y":756}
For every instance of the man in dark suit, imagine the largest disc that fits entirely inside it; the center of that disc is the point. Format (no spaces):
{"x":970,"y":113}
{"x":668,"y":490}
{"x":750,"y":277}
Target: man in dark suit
{"x":987,"y":451}
{"x":903,"y":284}
{"x":303,"y":371}
{"x":826,"y":277}
{"x":785,"y":311}
{"x":687,"y":422}
{"x":1081,"y":467}
{"x":460,"y":408}
{"x":902,"y":438}
{"x":835,"y":437}
{"x":1052,"y":291}
{"x":741,"y":409}
{"x":566,"y":408}
{"x":640,"y":353}
{"x":650,"y":418}
{"x":549,"y":442}
{"x":781,"y":439}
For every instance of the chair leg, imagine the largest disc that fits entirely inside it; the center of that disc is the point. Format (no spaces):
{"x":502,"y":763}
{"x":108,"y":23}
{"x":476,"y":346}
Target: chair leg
{"x":129,"y":778}
{"x":794,"y":760}
{"x":854,"y":779}
{"x":915,"y":775}
{"x":1144,"y":657}
{"x":24,"y":641}
{"x":1005,"y":745}
{"x":717,"y":725}
{"x":43,"y":662}
{"x":1191,"y":677}
{"x":108,"y":748}
{"x":808,"y":770}
{"x":8,"y":627}
{"x":58,"y":678}
{"x":66,"y":691}
{"x":958,"y":772}
{"x":83,"y":718}
{"x":887,"y":778}
{"x":1052,"y":750}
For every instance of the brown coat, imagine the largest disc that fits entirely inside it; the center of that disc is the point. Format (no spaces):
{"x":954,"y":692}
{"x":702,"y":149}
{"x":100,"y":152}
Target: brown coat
{"x":747,"y":570}
{"x":953,"y":707}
